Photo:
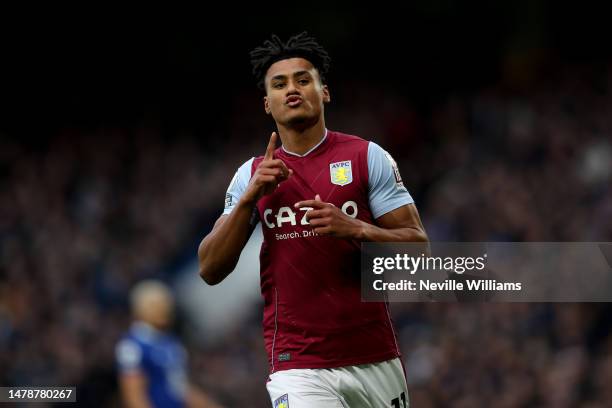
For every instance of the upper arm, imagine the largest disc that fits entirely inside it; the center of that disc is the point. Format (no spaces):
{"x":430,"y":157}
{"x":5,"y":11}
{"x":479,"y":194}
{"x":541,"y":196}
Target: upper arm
{"x":391,"y":204}
{"x":132,"y":381}
{"x":196,"y":398}
{"x":406,"y":216}
{"x":221,"y":220}
{"x":128,"y":354}
{"x":217,"y":225}
{"x":386,"y":191}
{"x":133,"y":387}
{"x":236,"y":189}
{"x":237,"y":186}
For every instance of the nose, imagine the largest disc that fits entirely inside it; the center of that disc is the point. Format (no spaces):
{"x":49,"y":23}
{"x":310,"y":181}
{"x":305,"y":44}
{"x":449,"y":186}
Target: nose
{"x":291,"y":88}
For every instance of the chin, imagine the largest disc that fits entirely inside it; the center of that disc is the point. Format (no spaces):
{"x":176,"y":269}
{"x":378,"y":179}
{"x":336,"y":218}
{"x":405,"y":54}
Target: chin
{"x":300,"y":120}
{"x":163,"y":324}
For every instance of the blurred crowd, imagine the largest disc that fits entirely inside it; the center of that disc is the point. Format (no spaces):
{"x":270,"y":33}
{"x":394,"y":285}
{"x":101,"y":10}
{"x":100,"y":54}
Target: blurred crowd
{"x":89,"y":212}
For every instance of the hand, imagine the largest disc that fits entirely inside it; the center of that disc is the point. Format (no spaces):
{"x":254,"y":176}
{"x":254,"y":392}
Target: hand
{"x":327,"y":219}
{"x":268,"y":175}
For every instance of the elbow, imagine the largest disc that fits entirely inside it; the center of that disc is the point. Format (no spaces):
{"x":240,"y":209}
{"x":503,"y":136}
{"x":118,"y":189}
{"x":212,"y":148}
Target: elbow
{"x":206,"y":268}
{"x":208,"y":275}
{"x":417,"y":235}
{"x":213,"y":272}
{"x":423,"y":240}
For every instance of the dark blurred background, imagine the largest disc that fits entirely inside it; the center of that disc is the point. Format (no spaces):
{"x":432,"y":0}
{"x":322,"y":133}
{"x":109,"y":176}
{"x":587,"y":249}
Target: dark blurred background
{"x":119,"y":136}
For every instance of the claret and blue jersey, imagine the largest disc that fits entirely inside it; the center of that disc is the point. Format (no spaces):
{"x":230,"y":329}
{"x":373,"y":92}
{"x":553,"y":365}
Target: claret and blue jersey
{"x":313,"y":314}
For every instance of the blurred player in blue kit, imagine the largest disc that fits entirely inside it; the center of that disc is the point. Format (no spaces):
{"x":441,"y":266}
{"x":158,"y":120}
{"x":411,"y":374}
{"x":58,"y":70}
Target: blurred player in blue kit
{"x":152,"y":363}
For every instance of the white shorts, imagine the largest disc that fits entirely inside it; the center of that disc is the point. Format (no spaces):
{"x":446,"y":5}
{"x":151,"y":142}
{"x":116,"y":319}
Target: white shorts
{"x":377,"y":385}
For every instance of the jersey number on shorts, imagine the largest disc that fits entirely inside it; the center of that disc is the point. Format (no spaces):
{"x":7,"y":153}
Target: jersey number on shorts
{"x":395,"y":403}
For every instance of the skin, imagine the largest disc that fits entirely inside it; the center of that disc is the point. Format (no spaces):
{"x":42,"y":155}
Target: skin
{"x":300,"y":127}
{"x":156,"y":308}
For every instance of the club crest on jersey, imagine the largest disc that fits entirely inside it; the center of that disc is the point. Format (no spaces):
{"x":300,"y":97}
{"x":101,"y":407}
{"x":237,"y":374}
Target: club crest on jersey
{"x":341,"y":173}
{"x":282,"y":402}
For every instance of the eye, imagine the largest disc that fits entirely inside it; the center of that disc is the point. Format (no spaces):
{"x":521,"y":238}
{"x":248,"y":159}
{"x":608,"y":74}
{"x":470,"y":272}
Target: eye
{"x":303,"y":81}
{"x":277,"y":85}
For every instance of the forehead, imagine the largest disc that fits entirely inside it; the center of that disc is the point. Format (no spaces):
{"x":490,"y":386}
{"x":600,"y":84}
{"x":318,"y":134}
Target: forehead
{"x":288,"y":67}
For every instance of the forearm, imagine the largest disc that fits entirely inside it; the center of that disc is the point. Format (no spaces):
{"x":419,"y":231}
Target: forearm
{"x":198,"y":399}
{"x":137,"y":402}
{"x":220,"y":250}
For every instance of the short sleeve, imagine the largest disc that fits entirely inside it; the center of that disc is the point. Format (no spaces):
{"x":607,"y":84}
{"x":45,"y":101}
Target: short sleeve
{"x":129,"y":355}
{"x":237,"y":186}
{"x":385,"y":187}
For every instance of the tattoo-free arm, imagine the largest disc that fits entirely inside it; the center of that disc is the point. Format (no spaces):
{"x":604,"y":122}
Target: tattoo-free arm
{"x":400,"y":225}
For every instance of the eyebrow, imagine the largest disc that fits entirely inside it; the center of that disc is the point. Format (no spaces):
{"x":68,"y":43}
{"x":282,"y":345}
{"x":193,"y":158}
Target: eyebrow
{"x":295,"y":74}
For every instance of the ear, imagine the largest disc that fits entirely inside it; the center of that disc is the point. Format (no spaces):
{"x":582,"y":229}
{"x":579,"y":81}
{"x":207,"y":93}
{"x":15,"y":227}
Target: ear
{"x":267,"y":105}
{"x":326,"y":95}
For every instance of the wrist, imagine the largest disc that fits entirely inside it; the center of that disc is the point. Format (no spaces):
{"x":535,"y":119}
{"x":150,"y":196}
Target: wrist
{"x":361,"y":230}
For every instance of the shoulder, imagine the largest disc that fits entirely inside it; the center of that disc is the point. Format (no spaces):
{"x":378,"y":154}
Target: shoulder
{"x":129,"y":351}
{"x":375,"y":151}
{"x":257,"y":159}
{"x":243,"y":172}
{"x":348,"y":139}
{"x":131,"y":339}
{"x":379,"y":160}
{"x":350,"y":144}
{"x":247,"y":164}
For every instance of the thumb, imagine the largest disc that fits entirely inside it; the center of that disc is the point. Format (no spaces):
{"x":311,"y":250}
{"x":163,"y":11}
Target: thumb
{"x":318,"y":198}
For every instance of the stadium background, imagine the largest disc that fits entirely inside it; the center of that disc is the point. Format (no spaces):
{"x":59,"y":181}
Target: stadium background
{"x":118,"y":140}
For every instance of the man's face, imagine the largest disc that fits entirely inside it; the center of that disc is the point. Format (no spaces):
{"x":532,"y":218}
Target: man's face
{"x":294,"y":93}
{"x":157,"y":309}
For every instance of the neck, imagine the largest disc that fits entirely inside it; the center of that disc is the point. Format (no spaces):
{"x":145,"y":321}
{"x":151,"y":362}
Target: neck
{"x":300,"y":141}
{"x":150,"y":325}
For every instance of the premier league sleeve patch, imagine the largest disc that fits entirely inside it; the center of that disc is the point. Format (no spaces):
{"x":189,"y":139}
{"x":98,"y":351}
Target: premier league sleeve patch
{"x":398,"y":178}
{"x":282,"y":402}
{"x":341,"y":173}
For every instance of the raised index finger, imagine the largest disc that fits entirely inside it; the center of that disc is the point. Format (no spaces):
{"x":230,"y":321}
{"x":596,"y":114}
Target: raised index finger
{"x":271,"y":146}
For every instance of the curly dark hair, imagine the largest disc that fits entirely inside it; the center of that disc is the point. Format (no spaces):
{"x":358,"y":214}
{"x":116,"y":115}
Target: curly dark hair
{"x":301,"y":45}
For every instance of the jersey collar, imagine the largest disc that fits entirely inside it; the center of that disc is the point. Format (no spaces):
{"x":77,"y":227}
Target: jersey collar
{"x":309,"y":151}
{"x":145,"y":331}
